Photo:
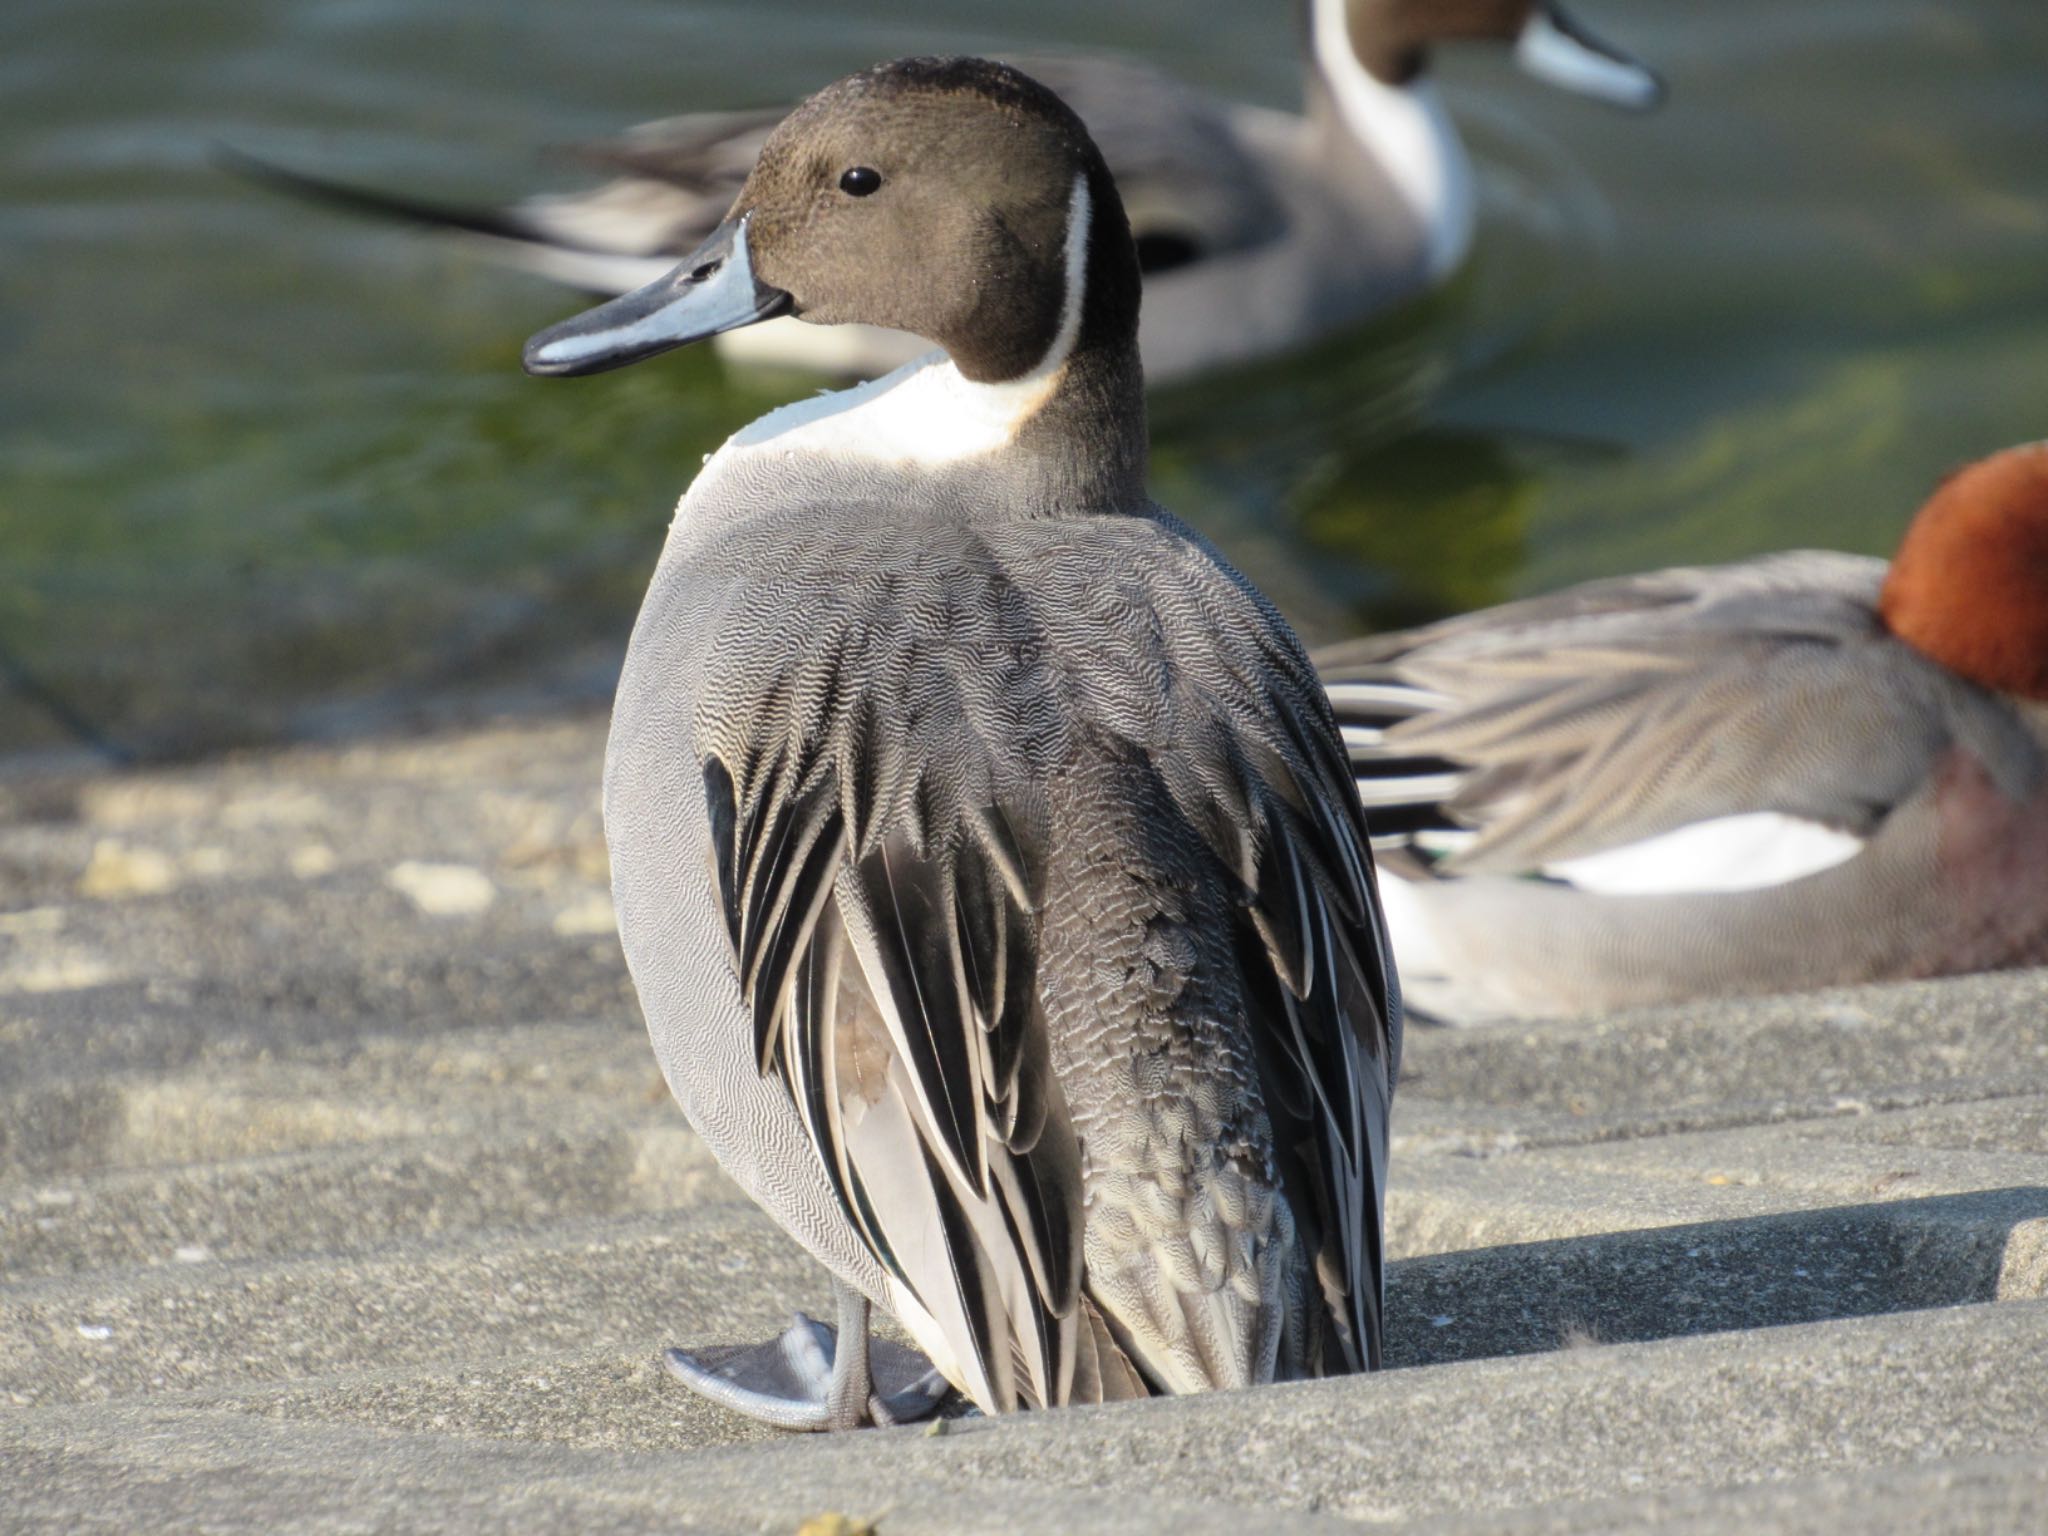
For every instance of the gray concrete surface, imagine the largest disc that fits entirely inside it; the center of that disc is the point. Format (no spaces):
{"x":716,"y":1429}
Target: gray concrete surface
{"x":338,"y":1192}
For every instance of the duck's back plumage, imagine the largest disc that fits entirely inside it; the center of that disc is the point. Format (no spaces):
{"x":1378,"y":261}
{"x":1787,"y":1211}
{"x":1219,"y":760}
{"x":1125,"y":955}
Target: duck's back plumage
{"x":1032,"y":863}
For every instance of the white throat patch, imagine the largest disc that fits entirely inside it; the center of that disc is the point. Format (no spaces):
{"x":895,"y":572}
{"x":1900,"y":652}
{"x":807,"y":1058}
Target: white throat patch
{"x":926,"y":412}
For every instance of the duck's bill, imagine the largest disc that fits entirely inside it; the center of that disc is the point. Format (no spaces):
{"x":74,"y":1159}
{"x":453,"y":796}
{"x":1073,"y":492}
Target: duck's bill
{"x":1554,"y":47}
{"x":713,"y":290}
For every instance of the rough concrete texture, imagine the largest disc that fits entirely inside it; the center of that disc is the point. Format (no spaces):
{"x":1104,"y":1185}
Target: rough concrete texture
{"x":338,"y":1191}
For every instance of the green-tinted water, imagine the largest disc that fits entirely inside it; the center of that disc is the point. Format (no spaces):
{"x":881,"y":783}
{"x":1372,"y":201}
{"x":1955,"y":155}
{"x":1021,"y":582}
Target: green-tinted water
{"x":264,"y":470}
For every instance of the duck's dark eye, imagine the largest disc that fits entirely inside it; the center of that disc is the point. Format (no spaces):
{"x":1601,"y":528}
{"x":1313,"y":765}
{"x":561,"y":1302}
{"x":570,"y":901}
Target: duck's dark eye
{"x":860,"y":181}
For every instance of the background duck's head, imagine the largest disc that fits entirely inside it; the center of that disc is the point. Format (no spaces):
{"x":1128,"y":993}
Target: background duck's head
{"x":954,"y":198}
{"x":1391,"y":40}
{"x":1969,"y":586}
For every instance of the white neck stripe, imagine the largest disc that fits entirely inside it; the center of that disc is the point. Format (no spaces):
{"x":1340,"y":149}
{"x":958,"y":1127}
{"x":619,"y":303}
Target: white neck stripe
{"x":1080,"y":216}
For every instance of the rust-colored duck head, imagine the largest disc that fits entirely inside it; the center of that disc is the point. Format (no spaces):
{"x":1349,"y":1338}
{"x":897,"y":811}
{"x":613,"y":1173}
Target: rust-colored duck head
{"x":1969,"y":586}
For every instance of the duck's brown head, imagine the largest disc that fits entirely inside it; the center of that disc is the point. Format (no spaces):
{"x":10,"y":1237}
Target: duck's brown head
{"x":1969,"y":586}
{"x":957,"y":199}
{"x":1391,"y":40}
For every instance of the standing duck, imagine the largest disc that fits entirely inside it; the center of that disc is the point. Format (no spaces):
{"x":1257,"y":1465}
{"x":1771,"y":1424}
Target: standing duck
{"x":984,"y":850}
{"x":1258,"y":231}
{"x":1800,"y":771}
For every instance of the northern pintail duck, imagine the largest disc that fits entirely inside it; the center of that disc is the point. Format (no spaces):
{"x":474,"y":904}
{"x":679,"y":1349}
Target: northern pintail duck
{"x":1258,"y":231}
{"x":984,"y":850}
{"x":1799,"y":771}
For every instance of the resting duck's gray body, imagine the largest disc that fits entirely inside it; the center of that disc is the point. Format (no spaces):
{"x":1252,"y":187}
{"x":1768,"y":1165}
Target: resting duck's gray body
{"x":1806,"y":770}
{"x":983,"y":846}
{"x":1258,"y":231}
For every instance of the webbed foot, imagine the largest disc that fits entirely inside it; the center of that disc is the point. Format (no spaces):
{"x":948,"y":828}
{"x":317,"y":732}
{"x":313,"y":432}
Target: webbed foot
{"x":804,"y":1380}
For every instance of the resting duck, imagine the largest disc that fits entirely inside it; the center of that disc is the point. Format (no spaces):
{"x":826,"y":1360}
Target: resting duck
{"x":1800,"y":771}
{"x":1258,"y":231}
{"x":984,"y":850}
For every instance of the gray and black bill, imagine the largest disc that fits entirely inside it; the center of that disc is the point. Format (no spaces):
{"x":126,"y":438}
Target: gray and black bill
{"x":713,"y":290}
{"x":1555,"y":46}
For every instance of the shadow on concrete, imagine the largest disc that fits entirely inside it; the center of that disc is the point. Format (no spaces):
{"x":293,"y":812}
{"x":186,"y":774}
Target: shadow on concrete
{"x":1707,"y":1277}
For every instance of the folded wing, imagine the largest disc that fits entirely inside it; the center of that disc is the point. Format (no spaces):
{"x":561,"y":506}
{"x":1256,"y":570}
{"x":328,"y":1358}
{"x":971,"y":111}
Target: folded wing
{"x":883,"y":893}
{"x":1544,"y":731}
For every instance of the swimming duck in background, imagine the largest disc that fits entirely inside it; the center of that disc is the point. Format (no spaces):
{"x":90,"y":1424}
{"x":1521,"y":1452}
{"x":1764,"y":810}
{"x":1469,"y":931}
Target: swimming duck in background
{"x":1794,"y":772}
{"x":984,"y":850}
{"x":1258,"y":231}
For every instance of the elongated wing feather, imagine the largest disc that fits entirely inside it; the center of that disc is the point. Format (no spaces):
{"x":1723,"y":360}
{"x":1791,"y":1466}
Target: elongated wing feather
{"x":1335,"y":1009}
{"x":893,"y":992}
{"x":1615,"y":711}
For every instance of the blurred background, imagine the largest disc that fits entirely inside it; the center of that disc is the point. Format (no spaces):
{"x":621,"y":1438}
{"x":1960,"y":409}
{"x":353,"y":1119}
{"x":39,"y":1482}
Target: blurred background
{"x":270,"y":472}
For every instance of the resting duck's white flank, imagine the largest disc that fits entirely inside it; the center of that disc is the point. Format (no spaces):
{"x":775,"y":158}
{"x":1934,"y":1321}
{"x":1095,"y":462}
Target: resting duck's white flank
{"x":984,"y":851}
{"x":1327,"y":216}
{"x":1746,"y":852}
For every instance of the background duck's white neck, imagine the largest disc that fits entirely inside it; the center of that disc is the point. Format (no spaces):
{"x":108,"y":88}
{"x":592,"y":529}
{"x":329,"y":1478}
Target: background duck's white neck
{"x":1404,"y":128}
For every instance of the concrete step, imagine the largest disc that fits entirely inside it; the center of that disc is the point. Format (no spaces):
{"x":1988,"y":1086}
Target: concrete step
{"x":1927,"y":1421}
{"x":1439,"y":1202}
{"x":338,"y":1198}
{"x":627,"y":1283}
{"x":177,"y":1468}
{"x":303,"y":998}
{"x":1464,"y":1440}
{"x":721,"y":1272}
{"x":323,"y":1090}
{"x":338,"y":1190}
{"x":1738,"y":1063}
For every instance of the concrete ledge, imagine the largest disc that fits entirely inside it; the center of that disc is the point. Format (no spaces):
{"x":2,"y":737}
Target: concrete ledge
{"x":320,"y":1209}
{"x":1933,"y":1400}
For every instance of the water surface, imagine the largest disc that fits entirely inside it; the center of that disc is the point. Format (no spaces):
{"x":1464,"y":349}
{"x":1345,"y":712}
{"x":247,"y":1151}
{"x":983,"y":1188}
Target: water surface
{"x":266,"y":471}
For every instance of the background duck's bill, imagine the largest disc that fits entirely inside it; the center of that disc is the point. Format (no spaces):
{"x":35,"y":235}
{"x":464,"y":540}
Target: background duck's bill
{"x":713,"y":290}
{"x":1555,"y":47}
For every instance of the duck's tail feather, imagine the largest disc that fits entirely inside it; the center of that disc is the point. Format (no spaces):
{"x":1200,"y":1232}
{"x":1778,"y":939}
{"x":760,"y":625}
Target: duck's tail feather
{"x":1404,"y":793}
{"x":505,"y":235}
